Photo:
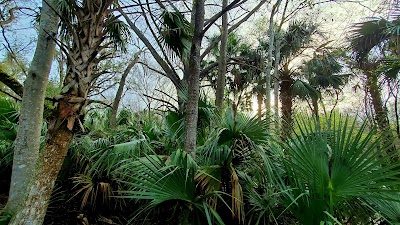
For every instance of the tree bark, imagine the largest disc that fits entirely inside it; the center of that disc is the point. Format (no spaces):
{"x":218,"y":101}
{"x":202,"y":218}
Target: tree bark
{"x":380,"y":117}
{"x":276,"y":82}
{"x":83,"y":57}
{"x":194,"y":82}
{"x":271,"y":33}
{"x":219,"y":98}
{"x":27,"y":143}
{"x":315,"y":107}
{"x":286,"y":97}
{"x":49,"y":164}
{"x":12,"y":83}
{"x":118,"y":95}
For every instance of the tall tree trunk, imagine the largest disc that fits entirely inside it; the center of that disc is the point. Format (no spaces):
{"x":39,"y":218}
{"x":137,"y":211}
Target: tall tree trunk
{"x":48,"y":166}
{"x":286,"y":96}
{"x":27,"y":143}
{"x":271,"y":34}
{"x":194,"y":81}
{"x":380,"y":117}
{"x":118,"y":95}
{"x":276,"y":82}
{"x":219,"y":98}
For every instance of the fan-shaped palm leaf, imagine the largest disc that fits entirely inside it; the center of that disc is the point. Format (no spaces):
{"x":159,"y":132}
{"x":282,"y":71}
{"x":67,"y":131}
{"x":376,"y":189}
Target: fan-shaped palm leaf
{"x":332,"y":165}
{"x":177,"y":33}
{"x":305,"y":90}
{"x":159,"y":180}
{"x":365,"y":36}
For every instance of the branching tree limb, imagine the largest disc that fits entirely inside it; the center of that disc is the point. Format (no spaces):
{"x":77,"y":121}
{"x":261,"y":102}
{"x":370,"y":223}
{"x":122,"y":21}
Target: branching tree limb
{"x":12,"y":83}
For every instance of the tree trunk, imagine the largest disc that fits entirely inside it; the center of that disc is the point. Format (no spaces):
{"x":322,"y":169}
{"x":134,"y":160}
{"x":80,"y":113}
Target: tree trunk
{"x":286,"y":96}
{"x":219,"y":98}
{"x":315,"y":107}
{"x":118,"y":95}
{"x":27,"y":143}
{"x":276,"y":82}
{"x":83,"y":57}
{"x":49,"y":164}
{"x":260,"y":104}
{"x":271,"y":34}
{"x":381,"y":117}
{"x":194,"y":82}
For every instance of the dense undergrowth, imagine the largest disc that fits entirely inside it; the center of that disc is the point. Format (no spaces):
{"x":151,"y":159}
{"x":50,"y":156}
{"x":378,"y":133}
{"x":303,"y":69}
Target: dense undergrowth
{"x":331,"y":171}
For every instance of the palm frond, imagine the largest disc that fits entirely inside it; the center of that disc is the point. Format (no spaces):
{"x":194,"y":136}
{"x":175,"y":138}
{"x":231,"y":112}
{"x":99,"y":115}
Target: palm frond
{"x":333,"y":164}
{"x":304,"y":90}
{"x":367,"y":35}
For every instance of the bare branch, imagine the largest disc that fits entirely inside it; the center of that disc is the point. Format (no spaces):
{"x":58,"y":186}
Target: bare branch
{"x":232,"y":28}
{"x":12,"y":83}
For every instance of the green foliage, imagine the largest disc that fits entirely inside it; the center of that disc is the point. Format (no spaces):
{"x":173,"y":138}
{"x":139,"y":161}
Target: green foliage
{"x":114,"y":29}
{"x":330,"y":167}
{"x":9,"y":114}
{"x":119,"y":33}
{"x":5,"y":218}
{"x":298,"y":34}
{"x":177,"y":33}
{"x":367,"y":35}
{"x":388,"y":206}
{"x":169,"y":179}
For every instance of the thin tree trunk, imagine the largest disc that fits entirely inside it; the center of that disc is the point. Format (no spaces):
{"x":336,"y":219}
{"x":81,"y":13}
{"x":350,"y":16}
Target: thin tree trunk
{"x":118,"y":95}
{"x":315,"y":107}
{"x":27,"y":143}
{"x":276,"y":82}
{"x":396,"y":113}
{"x":222,"y":59}
{"x":271,"y":34}
{"x":194,"y":82}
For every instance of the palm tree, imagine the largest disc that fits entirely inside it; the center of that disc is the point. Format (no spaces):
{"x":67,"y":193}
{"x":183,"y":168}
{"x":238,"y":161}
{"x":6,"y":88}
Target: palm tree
{"x":321,"y":73}
{"x":293,"y":42}
{"x":90,"y":29}
{"x":365,"y":37}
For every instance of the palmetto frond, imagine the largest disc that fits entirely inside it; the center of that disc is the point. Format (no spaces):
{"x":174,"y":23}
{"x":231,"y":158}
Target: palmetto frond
{"x":331,"y":165}
{"x":304,"y":90}
{"x":119,"y":33}
{"x":366,"y":35}
{"x":173,"y":179}
{"x":9,"y":115}
{"x":390,"y":66}
{"x":388,"y":206}
{"x":297,"y":35}
{"x":177,"y":33}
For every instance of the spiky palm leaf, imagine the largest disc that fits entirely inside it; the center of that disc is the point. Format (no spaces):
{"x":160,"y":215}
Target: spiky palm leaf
{"x":304,"y":90}
{"x":298,"y":34}
{"x":329,"y":167}
{"x":177,"y":33}
{"x":158,"y":180}
{"x":366,"y":35}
